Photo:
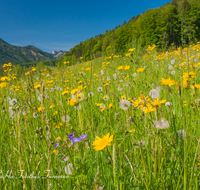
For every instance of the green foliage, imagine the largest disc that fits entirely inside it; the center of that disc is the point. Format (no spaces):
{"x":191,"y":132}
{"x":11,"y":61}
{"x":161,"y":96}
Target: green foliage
{"x":177,"y":23}
{"x":18,"y":55}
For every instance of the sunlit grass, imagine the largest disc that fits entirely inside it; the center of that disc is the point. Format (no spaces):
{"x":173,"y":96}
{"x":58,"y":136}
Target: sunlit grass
{"x":150,"y":104}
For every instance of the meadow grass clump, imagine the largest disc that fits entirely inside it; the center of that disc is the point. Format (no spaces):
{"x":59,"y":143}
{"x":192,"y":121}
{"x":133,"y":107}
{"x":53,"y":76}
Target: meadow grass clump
{"x":104,"y":124}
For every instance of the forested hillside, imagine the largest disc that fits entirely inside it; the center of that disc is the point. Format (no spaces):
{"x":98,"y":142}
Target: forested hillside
{"x":176,"y":23}
{"x":17,"y":54}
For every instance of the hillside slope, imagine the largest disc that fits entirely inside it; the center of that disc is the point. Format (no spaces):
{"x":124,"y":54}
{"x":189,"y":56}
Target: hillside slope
{"x":17,"y":54}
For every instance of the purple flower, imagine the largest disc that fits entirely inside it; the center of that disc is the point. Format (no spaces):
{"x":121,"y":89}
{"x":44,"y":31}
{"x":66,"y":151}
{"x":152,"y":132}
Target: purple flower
{"x":56,"y":144}
{"x":71,"y":136}
{"x":75,"y":140}
{"x":83,"y":136}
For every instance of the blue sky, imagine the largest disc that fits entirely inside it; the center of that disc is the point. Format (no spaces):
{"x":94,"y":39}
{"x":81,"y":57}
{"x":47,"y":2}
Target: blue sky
{"x":60,"y":25}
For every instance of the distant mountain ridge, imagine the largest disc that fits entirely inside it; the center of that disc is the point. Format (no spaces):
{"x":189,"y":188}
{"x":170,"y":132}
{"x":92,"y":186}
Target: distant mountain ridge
{"x":26,"y":54}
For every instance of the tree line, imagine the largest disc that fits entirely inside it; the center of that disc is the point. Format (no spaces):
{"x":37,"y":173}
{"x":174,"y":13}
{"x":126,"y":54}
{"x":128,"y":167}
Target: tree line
{"x":176,"y":23}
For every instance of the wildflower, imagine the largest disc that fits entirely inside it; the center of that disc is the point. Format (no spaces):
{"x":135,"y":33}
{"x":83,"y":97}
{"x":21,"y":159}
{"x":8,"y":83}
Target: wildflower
{"x":75,"y":140}
{"x":101,"y":143}
{"x":167,"y":82}
{"x":168,"y":104}
{"x":162,"y":124}
{"x":58,"y":138}
{"x":106,"y":97}
{"x":124,"y":104}
{"x":181,"y":133}
{"x":41,"y":109}
{"x":170,"y":67}
{"x":102,"y":73}
{"x":35,"y":115}
{"x":83,"y":136}
{"x":99,"y":89}
{"x":79,"y":96}
{"x":154,"y":93}
{"x":172,"y":61}
{"x":158,"y":102}
{"x":51,"y":106}
{"x":12,"y":102}
{"x":37,"y":86}
{"x":69,"y":169}
{"x":108,"y":78}
{"x":149,"y":108}
{"x":127,"y":67}
{"x":134,"y":74}
{"x":90,"y":94}
{"x":73,"y":102}
{"x":55,"y":151}
{"x":65,"y":92}
{"x":71,"y":136}
{"x":120,"y":68}
{"x":57,"y":144}
{"x":65,"y":119}
{"x":140,"y":70}
{"x":74,"y":91}
{"x":173,"y":72}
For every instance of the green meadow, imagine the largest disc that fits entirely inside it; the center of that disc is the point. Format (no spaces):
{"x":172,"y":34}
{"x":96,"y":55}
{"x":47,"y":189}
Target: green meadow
{"x":117,"y":122}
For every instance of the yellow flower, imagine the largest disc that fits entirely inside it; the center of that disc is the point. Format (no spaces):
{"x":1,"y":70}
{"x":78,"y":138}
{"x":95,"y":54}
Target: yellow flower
{"x":74,"y":91}
{"x":148,"y":109}
{"x":3,"y":84}
{"x":73,"y":102}
{"x":37,"y":86}
{"x":127,"y":67}
{"x":158,"y":102}
{"x":41,"y":109}
{"x":131,"y":49}
{"x":55,"y":151}
{"x":27,"y":73}
{"x":65,"y":92}
{"x":167,"y":82}
{"x":58,"y":138}
{"x":120,"y":67}
{"x":51,"y":106}
{"x":140,"y":70}
{"x":132,"y":131}
{"x":101,"y":143}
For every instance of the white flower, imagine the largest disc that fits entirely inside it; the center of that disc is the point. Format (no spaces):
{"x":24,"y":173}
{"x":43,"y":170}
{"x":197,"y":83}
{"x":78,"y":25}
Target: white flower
{"x":124,"y":104}
{"x":65,"y":119}
{"x":115,"y":76}
{"x":154,"y":93}
{"x":162,"y":124}
{"x":100,"y":89}
{"x":172,"y":61}
{"x":168,"y":104}
{"x":79,"y":96}
{"x":102,"y":106}
{"x":78,"y":107}
{"x":181,"y":133}
{"x":35,"y":115}
{"x":119,"y":89}
{"x":106,"y":97}
{"x":12,"y":102}
{"x":134,"y":74}
{"x":121,"y":81}
{"x":101,"y":71}
{"x":173,"y":72}
{"x":90,"y":94}
{"x":108,"y":78}
{"x":170,"y":67}
{"x":69,"y":169}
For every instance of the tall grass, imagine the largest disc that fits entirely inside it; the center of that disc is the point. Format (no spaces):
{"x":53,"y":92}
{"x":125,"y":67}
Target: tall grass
{"x":141,"y":156}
